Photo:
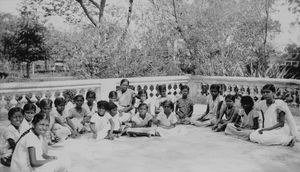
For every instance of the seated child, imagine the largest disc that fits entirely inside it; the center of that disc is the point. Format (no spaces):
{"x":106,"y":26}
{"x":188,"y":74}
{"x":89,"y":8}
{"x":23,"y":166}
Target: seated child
{"x":46,"y":108}
{"x":167,"y":118}
{"x":184,"y":106}
{"x":29,"y":154}
{"x":13,"y":132}
{"x":229,"y":110}
{"x":124,"y":112}
{"x":141,"y":122}
{"x":247,"y":120}
{"x":101,"y":123}
{"x":112,"y":108}
{"x":29,"y":110}
{"x":61,"y":128}
{"x":210,"y":116}
{"x":77,"y":118}
{"x":91,"y":104}
{"x":143,"y":98}
{"x":156,"y":106}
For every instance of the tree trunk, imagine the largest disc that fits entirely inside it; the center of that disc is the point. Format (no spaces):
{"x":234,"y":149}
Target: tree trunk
{"x":28,"y":70}
{"x":264,"y":61}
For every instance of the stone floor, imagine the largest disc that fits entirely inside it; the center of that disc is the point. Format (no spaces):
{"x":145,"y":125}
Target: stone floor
{"x":191,"y":149}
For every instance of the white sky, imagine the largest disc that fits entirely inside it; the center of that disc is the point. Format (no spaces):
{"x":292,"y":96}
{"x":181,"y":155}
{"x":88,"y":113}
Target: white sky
{"x":289,"y":34}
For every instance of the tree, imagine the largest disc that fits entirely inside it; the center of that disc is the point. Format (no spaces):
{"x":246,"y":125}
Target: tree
{"x":25,"y":43}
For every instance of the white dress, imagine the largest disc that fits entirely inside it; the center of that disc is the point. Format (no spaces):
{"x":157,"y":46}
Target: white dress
{"x":20,"y":159}
{"x":141,"y":123}
{"x":278,"y":136}
{"x":61,"y":131}
{"x":212,"y":114}
{"x":167,"y":121}
{"x":102,"y":124}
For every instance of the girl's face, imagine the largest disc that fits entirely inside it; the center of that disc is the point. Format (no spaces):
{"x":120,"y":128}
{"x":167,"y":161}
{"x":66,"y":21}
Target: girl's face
{"x":16,"y":119}
{"x":79,"y":102}
{"x":46,"y":109}
{"x":167,"y":108}
{"x":60,"y":108}
{"x":143,"y":97}
{"x":113,"y":99}
{"x":163,"y":93}
{"x":114,"y":112}
{"x":214,"y":93}
{"x":90,"y":99}
{"x":267,"y":94}
{"x":124,"y":86}
{"x":229,"y":102}
{"x":143,"y":110}
{"x":29,"y":114}
{"x":101,"y":111}
{"x":184,"y":92}
{"x":246,"y":106}
{"x":41,"y":127}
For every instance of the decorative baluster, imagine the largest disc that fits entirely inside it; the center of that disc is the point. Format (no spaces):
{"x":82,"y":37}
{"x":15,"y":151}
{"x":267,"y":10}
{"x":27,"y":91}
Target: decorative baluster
{"x":232,"y":90}
{"x":259,"y":96}
{"x":3,"y":110}
{"x":43,"y":95}
{"x":33,"y":98}
{"x":252,"y":91}
{"x":61,"y":93}
{"x":227,"y":91}
{"x":294,"y":103}
{"x":52,"y":96}
{"x":13,"y":101}
{"x":23,"y":101}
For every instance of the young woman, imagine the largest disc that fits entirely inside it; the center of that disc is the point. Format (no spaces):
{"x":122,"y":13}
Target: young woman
{"x":279,"y":126}
{"x":29,"y":156}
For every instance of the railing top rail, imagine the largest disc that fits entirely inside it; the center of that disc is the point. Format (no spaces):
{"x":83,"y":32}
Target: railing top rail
{"x":248,"y":80}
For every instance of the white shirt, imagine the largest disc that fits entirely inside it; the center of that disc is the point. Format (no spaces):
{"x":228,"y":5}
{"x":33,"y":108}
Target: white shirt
{"x":90,"y":112}
{"x":140,"y":122}
{"x":20,"y":159}
{"x":13,"y":133}
{"x":117,"y":122}
{"x":162,"y":117}
{"x":101,"y":122}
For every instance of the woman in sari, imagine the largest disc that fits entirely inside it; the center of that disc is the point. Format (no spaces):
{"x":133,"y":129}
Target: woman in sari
{"x":279,"y":127}
{"x":126,"y":97}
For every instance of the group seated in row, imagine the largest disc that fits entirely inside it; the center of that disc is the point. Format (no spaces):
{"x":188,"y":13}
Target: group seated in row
{"x":267,"y":122}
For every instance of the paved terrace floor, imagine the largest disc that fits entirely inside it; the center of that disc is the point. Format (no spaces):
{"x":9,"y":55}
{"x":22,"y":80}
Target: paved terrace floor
{"x":192,"y":150}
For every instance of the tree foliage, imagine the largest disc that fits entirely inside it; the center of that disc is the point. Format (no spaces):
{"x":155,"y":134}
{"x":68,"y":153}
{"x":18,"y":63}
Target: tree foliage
{"x":24,"y":41}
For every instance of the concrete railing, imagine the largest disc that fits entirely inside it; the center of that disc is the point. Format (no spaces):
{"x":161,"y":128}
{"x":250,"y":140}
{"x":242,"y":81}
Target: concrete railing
{"x":12,"y":94}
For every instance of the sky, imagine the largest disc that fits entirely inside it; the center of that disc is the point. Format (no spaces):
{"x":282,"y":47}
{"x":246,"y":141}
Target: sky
{"x":289,"y":34}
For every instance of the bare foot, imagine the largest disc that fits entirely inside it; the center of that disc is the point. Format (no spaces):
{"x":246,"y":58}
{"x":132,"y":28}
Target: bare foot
{"x":292,"y":142}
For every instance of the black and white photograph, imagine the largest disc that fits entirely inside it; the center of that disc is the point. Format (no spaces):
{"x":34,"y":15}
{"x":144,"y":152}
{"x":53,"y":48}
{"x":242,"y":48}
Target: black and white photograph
{"x":149,"y":85}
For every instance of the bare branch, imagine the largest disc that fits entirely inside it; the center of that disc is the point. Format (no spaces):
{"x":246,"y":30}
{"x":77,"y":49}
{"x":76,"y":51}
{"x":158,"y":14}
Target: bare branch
{"x":129,"y":12}
{"x":101,"y":9}
{"x":95,"y":3}
{"x":86,"y":12}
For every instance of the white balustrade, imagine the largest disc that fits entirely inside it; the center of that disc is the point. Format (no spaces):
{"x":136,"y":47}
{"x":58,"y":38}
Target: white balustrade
{"x":199,"y":87}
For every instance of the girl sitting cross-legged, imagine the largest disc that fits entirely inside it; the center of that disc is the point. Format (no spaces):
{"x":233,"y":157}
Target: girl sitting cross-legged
{"x":61,"y":128}
{"x":101,"y":123}
{"x":279,"y":127}
{"x":246,"y":122}
{"x":78,"y":118}
{"x":184,"y":106}
{"x":115,"y":116}
{"x":141,"y":123}
{"x":29,"y":154}
{"x":229,"y":110}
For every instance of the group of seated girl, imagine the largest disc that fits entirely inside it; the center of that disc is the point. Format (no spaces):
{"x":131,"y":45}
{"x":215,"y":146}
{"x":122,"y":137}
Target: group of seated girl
{"x":269,"y":122}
